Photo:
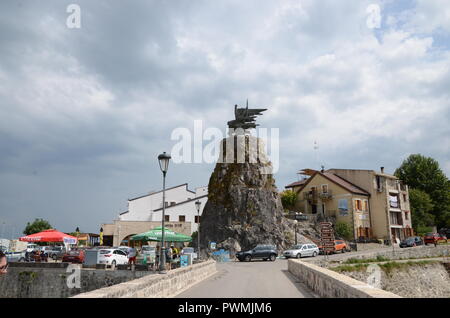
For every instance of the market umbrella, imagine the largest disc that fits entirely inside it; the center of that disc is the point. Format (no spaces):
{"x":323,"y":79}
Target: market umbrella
{"x":156,"y":235}
{"x":50,"y":236}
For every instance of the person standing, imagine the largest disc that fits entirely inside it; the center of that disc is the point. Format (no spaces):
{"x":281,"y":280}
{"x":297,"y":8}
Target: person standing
{"x":132,"y":256}
{"x":169,"y":258}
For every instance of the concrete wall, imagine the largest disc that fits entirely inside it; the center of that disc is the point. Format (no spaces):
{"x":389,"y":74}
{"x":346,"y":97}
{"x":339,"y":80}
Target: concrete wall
{"x":159,"y":285}
{"x":329,"y":284}
{"x":30,"y":281}
{"x":405,"y":253}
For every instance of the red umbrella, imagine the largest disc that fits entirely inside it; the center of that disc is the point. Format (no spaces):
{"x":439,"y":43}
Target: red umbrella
{"x":50,"y":236}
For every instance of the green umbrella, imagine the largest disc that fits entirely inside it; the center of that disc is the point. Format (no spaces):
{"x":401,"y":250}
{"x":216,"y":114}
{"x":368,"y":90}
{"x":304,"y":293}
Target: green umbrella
{"x":156,"y":235}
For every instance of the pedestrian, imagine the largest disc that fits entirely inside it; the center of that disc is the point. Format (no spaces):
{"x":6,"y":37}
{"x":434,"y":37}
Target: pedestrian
{"x":132,"y":256}
{"x":169,"y":258}
{"x":174,"y":252}
{"x":43,"y":258}
{"x":157,"y":256}
{"x":3,"y":263}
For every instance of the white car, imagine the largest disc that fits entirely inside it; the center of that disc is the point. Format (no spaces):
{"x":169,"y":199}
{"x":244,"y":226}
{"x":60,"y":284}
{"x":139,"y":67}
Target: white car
{"x":302,"y":250}
{"x":112,"y":256}
{"x":31,"y":247}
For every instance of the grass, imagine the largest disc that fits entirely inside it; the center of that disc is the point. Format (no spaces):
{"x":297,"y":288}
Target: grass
{"x":366,"y":260}
{"x":386,"y":267}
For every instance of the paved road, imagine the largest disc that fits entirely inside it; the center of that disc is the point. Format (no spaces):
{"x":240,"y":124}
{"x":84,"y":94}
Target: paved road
{"x":256,"y":279}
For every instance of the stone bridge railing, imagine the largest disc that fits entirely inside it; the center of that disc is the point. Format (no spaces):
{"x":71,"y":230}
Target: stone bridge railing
{"x":329,"y":284}
{"x":158,"y":285}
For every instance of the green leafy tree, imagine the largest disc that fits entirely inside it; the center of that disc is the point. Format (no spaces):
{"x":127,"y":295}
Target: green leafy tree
{"x":194,"y":241}
{"x":424,"y":174}
{"x":37,"y":226}
{"x":421,"y":207}
{"x":344,"y":230}
{"x":288,"y":199}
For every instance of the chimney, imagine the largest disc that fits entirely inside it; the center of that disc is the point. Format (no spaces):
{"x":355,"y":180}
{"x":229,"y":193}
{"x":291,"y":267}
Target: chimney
{"x":323,"y":169}
{"x":382,"y":169}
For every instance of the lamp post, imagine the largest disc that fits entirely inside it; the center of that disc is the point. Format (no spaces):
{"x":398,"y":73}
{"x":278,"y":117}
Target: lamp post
{"x":197,"y":205}
{"x":164,"y":166}
{"x":295,"y":224}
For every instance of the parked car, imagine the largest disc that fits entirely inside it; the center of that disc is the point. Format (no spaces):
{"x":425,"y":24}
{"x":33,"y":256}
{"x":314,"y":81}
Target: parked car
{"x":74,"y":256}
{"x":31,"y":247}
{"x":445,"y":232}
{"x":15,"y":256}
{"x":125,"y":249}
{"x":442,"y":237}
{"x":412,"y":241}
{"x":57,"y":252}
{"x":46,"y":249}
{"x":263,"y":252}
{"x":113,"y":256}
{"x":431,"y":238}
{"x":339,"y":246}
{"x":302,"y":250}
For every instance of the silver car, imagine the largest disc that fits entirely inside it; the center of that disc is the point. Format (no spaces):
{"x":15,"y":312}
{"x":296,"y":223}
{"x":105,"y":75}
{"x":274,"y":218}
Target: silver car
{"x":302,"y":250}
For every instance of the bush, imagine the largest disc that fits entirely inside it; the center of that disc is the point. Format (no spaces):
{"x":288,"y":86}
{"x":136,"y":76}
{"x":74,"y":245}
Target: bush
{"x":288,"y":199}
{"x":344,"y":230}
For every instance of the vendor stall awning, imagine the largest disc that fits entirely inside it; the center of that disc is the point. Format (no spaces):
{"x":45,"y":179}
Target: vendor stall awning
{"x":156,"y":235}
{"x":49,"y":236}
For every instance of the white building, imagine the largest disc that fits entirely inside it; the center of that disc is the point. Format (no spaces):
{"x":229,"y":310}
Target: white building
{"x":180,"y":206}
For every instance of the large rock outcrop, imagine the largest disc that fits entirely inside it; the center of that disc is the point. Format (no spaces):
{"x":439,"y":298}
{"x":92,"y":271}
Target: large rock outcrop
{"x":243,"y":205}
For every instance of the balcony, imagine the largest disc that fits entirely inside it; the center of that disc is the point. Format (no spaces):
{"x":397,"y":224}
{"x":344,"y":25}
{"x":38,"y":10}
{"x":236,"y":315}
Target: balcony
{"x":326,"y":195}
{"x":311,"y":196}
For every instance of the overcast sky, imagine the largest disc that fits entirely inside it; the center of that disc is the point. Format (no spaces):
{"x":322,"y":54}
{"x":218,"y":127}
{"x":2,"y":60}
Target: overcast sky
{"x":85,"y":112}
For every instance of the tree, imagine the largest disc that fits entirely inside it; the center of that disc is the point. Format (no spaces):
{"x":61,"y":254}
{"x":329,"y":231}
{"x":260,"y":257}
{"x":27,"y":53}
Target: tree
{"x":194,"y":241}
{"x":424,"y":174}
{"x":288,"y":199}
{"x":421,"y":207}
{"x":37,"y":226}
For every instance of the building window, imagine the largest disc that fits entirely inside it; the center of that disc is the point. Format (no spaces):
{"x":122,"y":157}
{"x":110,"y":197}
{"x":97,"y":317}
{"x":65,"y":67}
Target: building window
{"x":181,"y":218}
{"x":197,"y":219}
{"x":396,"y":218}
{"x":358,"y":205}
{"x":406,"y":215}
{"x":366,"y":205}
{"x":343,"y":207}
{"x":167,"y":218}
{"x":324,"y":188}
{"x":404,"y":197}
{"x":172,"y":203}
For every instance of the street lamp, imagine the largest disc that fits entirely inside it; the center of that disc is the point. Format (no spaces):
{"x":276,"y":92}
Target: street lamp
{"x":197,"y":205}
{"x":164,"y":166}
{"x":295,"y":224}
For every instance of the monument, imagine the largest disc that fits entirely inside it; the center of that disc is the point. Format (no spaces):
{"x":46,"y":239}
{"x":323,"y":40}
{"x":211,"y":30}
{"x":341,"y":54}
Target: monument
{"x":244,"y":208}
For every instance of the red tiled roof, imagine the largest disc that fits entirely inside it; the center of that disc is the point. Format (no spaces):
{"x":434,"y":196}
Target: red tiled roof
{"x":344,"y":183}
{"x":295,"y":184}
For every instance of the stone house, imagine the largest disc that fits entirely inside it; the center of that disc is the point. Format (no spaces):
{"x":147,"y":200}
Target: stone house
{"x":375,"y":204}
